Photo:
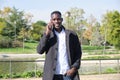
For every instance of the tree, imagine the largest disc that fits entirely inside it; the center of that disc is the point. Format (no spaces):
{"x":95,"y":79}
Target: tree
{"x":38,"y":29}
{"x":2,"y":25}
{"x":111,"y":28}
{"x":15,"y":22}
{"x":74,"y":18}
{"x":5,"y":12}
{"x":90,"y":24}
{"x":96,"y":38}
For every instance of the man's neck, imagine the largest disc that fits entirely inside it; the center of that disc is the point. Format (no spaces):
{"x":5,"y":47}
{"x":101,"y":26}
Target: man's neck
{"x":59,"y":30}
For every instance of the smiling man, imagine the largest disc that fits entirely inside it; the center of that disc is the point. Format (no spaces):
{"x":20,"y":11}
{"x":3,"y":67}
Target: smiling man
{"x":62,"y":49}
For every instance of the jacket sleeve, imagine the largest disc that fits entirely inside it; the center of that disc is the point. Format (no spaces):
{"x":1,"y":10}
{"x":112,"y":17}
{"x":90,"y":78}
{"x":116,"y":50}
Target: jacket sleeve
{"x":42,"y":46}
{"x":77,"y":53}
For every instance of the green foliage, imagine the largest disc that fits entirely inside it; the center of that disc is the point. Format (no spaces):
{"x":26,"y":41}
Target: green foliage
{"x":28,"y":74}
{"x":1,"y":75}
{"x":15,"y":75}
{"x":39,"y":73}
{"x":17,"y":44}
{"x":6,"y":76}
{"x":38,"y":29}
{"x":5,"y":42}
{"x":23,"y":75}
{"x":15,"y":22}
{"x":96,"y":38}
{"x":2,"y":24}
{"x":74,"y":17}
{"x":111,"y":28}
{"x":110,"y":70}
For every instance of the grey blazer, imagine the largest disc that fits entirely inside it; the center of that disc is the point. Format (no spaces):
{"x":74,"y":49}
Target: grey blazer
{"x":49,"y":45}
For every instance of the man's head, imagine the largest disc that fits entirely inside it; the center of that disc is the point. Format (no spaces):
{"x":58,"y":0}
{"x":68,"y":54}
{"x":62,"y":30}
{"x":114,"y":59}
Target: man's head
{"x":56,"y":19}
{"x":56,"y":12}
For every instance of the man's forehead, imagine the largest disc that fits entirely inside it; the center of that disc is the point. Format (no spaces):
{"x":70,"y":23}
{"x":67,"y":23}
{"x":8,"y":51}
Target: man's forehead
{"x":55,"y":15}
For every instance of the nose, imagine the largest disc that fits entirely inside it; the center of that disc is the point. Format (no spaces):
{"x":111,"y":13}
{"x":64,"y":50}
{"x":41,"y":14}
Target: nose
{"x":56,"y":20}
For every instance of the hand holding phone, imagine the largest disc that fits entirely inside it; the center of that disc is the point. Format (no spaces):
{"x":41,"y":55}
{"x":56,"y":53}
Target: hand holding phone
{"x":49,"y":28}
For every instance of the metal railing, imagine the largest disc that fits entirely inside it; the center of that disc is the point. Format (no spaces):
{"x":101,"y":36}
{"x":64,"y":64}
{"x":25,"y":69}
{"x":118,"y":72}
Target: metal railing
{"x":87,"y":66}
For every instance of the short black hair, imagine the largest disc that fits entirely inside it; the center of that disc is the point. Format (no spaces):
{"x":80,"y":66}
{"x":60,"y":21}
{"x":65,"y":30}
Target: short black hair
{"x":56,"y":12}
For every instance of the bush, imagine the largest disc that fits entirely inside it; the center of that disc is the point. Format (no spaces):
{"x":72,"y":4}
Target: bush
{"x":14,"y":75}
{"x":23,"y":75}
{"x":1,"y":76}
{"x":6,"y":76}
{"x":17,"y":44}
{"x":39,"y":73}
{"x":5,"y":42}
{"x":28,"y":74}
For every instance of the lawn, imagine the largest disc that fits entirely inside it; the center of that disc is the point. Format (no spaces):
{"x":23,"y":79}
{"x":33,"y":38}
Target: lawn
{"x":29,"y":48}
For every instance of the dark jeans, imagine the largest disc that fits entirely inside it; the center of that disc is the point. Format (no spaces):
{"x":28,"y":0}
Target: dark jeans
{"x":61,"y":77}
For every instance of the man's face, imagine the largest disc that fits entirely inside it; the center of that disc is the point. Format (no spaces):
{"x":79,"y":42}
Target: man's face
{"x":56,"y":20}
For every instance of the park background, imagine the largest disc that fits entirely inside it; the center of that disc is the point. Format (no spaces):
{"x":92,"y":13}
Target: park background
{"x":22,"y":23}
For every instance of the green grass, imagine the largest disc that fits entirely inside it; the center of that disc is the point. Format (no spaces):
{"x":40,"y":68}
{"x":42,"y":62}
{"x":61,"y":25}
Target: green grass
{"x":110,"y":70}
{"x":97,"y":57}
{"x":28,"y":48}
{"x":31,"y":48}
{"x":99,"y":50}
{"x":87,"y":47}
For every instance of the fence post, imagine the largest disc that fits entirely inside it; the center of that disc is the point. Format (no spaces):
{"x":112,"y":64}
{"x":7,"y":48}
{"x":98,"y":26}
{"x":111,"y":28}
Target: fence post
{"x":10,"y":68}
{"x":118,"y":65}
{"x":35,"y":70}
{"x":99,"y":66}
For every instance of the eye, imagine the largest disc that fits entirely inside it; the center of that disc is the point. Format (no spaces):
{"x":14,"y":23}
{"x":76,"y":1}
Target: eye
{"x":58,"y":19}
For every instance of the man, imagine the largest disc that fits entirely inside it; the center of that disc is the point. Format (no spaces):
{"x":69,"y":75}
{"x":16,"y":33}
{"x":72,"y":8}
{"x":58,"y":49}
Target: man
{"x":63,"y":51}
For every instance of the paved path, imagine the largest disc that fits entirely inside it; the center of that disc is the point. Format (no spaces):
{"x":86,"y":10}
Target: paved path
{"x":83,"y":77}
{"x":12,"y":56}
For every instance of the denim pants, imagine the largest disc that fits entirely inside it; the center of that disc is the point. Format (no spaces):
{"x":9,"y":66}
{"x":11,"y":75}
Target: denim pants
{"x":61,"y":77}
{"x":67,"y":77}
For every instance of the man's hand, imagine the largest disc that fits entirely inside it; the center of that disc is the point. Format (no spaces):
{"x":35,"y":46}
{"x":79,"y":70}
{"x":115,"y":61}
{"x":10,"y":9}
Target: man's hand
{"x":49,"y":28}
{"x":71,"y":71}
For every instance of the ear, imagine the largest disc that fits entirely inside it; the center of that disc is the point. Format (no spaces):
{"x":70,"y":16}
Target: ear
{"x":61,"y":19}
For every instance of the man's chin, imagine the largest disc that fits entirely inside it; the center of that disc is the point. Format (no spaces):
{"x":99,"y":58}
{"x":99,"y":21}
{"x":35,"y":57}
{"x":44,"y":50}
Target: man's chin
{"x":57,"y":27}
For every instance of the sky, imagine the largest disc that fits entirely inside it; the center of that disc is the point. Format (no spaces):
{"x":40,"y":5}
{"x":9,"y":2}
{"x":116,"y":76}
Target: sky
{"x":41,"y":9}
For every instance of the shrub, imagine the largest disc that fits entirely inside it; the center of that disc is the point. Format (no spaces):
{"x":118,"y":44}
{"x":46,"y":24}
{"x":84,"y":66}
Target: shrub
{"x":28,"y":74}
{"x":22,"y":75}
{"x":39,"y":73}
{"x":17,"y":44}
{"x":6,"y":76}
{"x":5,"y":42}
{"x":1,"y":76}
{"x":15,"y":75}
